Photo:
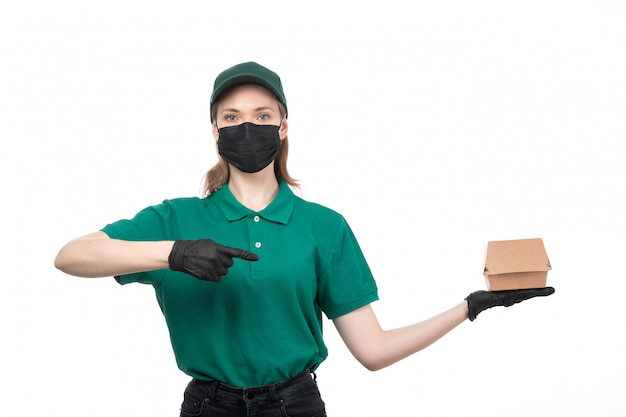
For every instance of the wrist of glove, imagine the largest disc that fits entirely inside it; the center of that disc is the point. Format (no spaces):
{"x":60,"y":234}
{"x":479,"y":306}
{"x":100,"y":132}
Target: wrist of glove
{"x":482,"y":300}
{"x":205,"y":259}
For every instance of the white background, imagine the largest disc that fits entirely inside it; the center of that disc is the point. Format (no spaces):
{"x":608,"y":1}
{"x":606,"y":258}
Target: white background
{"x":433,"y":128}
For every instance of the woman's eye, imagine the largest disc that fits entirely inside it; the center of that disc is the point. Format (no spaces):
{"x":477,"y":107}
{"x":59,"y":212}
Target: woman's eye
{"x":264,"y":117}
{"x":231,"y":118}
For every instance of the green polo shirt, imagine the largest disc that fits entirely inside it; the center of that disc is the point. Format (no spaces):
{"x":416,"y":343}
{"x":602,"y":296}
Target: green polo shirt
{"x":263,"y":322}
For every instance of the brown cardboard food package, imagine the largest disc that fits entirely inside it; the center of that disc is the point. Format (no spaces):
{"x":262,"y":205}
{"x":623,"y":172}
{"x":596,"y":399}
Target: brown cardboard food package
{"x":516,"y":264}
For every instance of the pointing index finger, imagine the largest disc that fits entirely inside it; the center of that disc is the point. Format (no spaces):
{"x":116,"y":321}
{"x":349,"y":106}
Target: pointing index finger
{"x":240,"y":253}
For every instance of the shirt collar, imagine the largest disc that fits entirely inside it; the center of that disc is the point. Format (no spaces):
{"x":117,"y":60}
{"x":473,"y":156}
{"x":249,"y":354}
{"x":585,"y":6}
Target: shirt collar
{"x":278,"y":211}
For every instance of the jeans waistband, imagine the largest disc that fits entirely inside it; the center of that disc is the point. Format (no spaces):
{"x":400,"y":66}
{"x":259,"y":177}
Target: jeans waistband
{"x":285,"y":386}
{"x":299,"y":393}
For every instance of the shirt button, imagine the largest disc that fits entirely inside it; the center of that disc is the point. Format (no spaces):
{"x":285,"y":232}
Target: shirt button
{"x":257,"y":218}
{"x":257,"y":245}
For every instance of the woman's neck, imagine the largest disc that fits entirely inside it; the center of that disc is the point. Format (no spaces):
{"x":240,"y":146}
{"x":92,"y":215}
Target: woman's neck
{"x":255,"y":191}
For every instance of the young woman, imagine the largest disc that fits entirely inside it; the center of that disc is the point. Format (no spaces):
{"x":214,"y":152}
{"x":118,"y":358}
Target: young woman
{"x":244,"y":274}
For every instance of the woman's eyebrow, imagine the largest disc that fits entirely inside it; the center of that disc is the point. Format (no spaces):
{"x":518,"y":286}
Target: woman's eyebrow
{"x":262,"y":108}
{"x":229,"y":110}
{"x":234,"y":110}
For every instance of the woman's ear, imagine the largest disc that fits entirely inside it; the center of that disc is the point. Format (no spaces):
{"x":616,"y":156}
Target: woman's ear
{"x":216,"y":134}
{"x":284,"y":128}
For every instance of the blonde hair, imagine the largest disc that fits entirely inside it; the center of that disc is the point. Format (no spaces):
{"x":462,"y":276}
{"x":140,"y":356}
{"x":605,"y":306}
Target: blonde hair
{"x":219,"y":174}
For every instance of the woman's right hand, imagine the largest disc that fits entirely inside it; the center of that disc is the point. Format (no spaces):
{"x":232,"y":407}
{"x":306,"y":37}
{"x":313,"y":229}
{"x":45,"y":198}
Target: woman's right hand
{"x":205,"y":259}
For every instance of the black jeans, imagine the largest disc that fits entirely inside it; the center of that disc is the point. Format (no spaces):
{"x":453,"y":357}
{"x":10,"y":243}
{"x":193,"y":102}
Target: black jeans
{"x":294,"y":397}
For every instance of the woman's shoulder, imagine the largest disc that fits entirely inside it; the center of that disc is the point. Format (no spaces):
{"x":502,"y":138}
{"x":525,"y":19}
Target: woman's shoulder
{"x":185,"y":204}
{"x":317,"y":210}
{"x":184,"y":201}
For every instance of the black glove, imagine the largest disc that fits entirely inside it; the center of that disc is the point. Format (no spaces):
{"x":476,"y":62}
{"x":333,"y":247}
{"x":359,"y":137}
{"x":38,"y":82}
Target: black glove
{"x":205,"y":259}
{"x":482,"y":300}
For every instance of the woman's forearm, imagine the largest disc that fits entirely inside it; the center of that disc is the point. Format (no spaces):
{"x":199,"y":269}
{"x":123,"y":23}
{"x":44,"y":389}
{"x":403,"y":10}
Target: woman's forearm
{"x":376,"y":348}
{"x":397,"y":344}
{"x":96,"y":255}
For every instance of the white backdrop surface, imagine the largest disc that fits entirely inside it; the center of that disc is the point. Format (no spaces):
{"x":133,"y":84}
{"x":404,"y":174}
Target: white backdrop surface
{"x":433,"y":128}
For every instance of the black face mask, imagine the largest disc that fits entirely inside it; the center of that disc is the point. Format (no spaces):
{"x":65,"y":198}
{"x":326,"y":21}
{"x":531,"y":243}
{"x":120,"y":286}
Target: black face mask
{"x":249,"y":147}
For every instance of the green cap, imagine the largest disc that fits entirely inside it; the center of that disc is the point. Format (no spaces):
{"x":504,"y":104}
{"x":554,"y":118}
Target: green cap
{"x":248,"y":72}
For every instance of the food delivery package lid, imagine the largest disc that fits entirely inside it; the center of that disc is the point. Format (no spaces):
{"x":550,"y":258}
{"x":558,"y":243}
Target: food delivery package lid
{"x":520,"y":255}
